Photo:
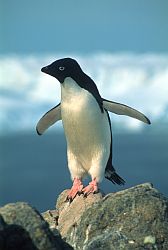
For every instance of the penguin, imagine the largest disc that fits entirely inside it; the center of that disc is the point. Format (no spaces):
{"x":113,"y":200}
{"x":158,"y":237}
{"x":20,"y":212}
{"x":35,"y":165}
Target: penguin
{"x":87,"y":126}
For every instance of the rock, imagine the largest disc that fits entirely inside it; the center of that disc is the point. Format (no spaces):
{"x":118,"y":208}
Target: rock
{"x":22,"y":227}
{"x":51,"y":216}
{"x":69,"y":214}
{"x":2,"y":223}
{"x":135,"y":218}
{"x":2,"y":228}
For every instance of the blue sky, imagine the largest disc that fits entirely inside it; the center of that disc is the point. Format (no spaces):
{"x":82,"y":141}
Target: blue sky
{"x":83,"y":26}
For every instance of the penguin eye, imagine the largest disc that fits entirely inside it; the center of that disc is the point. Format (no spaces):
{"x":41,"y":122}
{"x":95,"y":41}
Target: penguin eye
{"x":61,"y":68}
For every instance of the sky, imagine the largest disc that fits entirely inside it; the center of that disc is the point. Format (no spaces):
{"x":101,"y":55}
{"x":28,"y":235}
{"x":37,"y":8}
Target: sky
{"x":121,"y":44}
{"x":32,"y":27}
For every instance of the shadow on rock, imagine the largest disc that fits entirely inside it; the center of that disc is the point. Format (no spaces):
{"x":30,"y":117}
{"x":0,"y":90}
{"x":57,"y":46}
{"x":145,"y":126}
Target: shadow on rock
{"x":15,"y":237}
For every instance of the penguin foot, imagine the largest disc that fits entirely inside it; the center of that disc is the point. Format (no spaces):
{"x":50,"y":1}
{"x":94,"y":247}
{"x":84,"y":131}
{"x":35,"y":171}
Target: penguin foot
{"x":91,"y":188}
{"x":76,"y":189}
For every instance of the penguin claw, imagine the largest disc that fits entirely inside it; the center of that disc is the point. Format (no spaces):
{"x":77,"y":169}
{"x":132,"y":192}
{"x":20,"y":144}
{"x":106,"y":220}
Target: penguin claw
{"x":91,"y":188}
{"x":75,"y":190}
{"x":80,"y":192}
{"x":85,"y":195}
{"x":68,"y":199}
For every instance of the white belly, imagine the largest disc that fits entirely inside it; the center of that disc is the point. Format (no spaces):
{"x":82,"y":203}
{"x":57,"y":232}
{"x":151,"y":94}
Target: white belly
{"x":86,"y":128}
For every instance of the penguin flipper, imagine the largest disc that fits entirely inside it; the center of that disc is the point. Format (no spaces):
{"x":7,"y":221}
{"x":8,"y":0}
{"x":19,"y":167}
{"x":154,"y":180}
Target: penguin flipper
{"x":122,"y":109}
{"x":47,"y":120}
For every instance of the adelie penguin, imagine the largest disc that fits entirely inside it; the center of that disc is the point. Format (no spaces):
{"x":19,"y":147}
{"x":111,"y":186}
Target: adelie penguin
{"x":87,"y":126}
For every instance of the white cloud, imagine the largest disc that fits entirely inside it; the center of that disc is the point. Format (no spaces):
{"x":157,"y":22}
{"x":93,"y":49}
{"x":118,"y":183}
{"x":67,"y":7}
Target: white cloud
{"x":138,"y":80}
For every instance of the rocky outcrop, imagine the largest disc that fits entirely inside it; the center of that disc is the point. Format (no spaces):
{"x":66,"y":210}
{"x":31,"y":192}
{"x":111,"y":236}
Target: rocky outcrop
{"x":135,"y":218}
{"x":23,"y":228}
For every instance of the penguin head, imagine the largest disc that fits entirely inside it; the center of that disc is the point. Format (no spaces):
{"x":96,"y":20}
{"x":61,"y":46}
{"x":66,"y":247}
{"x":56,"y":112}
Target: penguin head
{"x":62,"y":68}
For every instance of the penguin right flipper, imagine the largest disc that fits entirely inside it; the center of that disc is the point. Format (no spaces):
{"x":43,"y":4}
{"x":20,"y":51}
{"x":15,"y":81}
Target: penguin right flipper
{"x":122,"y":109}
{"x":47,"y":120}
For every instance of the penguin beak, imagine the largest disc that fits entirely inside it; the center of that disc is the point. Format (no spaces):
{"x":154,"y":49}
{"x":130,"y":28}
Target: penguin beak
{"x":49,"y":70}
{"x":44,"y":70}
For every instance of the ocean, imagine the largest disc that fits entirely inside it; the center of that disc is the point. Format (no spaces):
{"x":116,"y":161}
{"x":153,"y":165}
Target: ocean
{"x":34,"y":169}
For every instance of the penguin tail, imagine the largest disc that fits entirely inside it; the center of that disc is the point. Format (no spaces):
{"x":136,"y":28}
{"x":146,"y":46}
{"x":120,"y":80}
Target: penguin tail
{"x":112,"y":176}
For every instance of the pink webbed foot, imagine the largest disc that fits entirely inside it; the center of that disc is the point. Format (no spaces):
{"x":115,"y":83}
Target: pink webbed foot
{"x":76,"y":189}
{"x":91,"y":188}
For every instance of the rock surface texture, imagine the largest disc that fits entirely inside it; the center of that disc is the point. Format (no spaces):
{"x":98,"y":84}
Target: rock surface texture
{"x":135,"y":218}
{"x":23,"y":228}
{"x":70,"y":213}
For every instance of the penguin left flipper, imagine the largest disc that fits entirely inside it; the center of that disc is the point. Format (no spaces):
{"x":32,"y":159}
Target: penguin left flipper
{"x":47,"y":120}
{"x":121,"y":109}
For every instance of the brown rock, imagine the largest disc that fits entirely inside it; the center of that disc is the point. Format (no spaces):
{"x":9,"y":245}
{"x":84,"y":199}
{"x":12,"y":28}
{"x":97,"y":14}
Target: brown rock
{"x":70,"y":213}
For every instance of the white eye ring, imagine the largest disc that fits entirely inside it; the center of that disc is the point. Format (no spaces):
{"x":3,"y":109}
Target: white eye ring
{"x":61,"y":68}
